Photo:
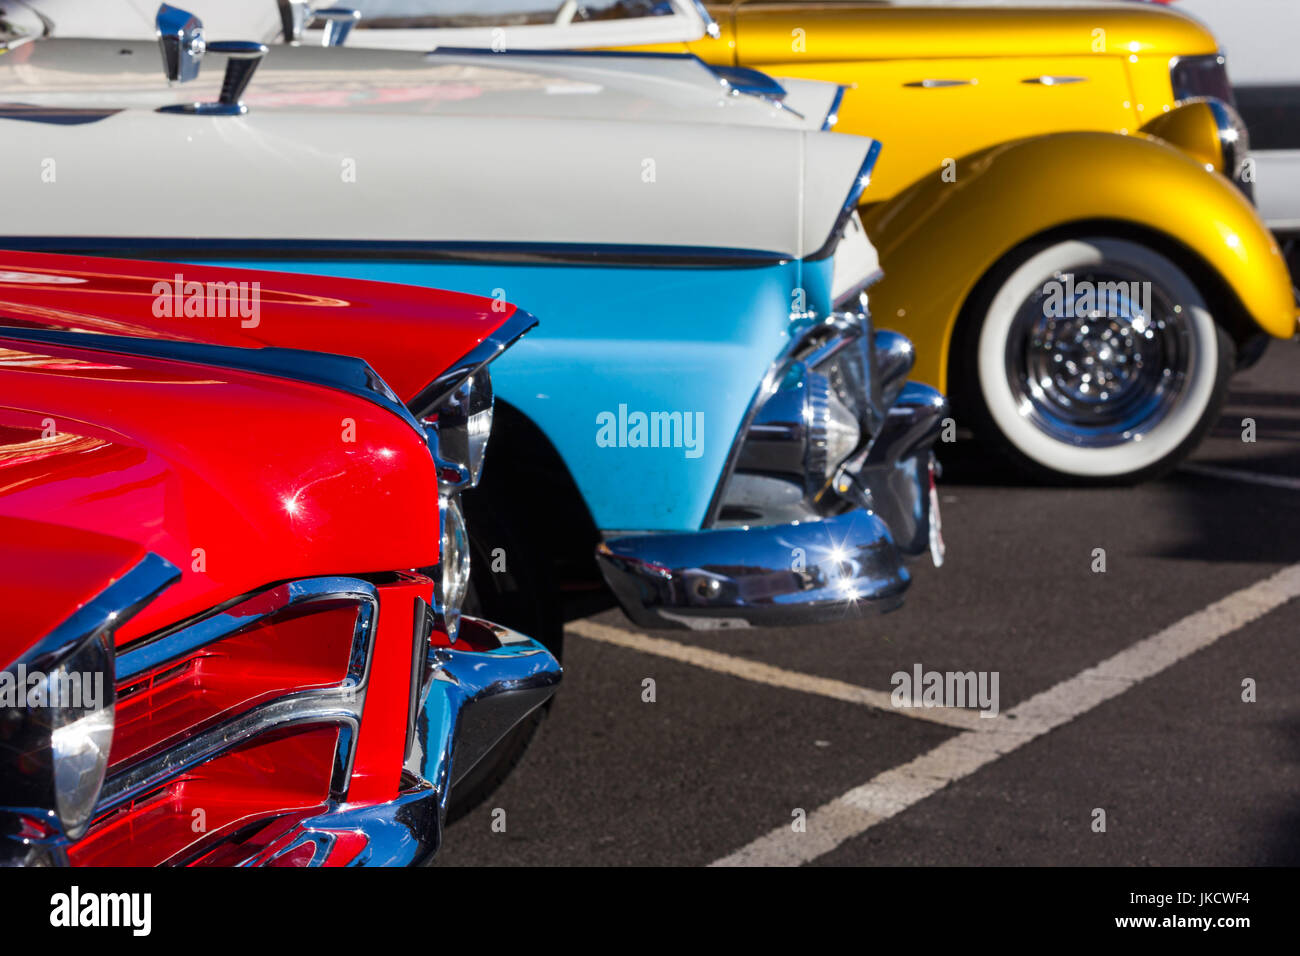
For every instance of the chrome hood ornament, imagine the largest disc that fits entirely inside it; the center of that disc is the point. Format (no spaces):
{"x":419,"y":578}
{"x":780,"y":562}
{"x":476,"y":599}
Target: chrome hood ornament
{"x":180,"y":36}
{"x":297,"y":15}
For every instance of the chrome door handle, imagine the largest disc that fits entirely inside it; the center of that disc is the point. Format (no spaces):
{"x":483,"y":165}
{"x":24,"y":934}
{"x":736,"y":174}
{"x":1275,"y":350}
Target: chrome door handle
{"x":939,"y":84}
{"x":1054,"y":80}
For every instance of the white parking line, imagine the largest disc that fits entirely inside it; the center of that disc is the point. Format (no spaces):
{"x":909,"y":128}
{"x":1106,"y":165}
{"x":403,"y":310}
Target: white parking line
{"x":772,"y":676}
{"x":893,"y":791}
{"x":1236,"y":474}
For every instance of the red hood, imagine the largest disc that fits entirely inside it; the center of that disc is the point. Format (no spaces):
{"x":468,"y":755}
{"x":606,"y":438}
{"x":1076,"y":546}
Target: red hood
{"x":239,"y":479}
{"x":408,"y":334}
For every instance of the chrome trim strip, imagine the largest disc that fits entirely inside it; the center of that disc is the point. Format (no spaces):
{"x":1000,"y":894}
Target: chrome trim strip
{"x":342,"y":705}
{"x":833,"y":114}
{"x":493,"y":344}
{"x":346,"y":374}
{"x":330,"y":250}
{"x":156,"y":650}
{"x":336,"y":706}
{"x":118,"y":602}
{"x":860,"y":183}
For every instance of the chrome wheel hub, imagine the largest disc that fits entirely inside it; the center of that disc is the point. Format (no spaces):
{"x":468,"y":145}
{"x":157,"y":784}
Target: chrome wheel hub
{"x":1101,"y":358}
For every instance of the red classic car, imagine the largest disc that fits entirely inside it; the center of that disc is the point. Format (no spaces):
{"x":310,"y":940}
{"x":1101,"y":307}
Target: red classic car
{"x":233,"y":630}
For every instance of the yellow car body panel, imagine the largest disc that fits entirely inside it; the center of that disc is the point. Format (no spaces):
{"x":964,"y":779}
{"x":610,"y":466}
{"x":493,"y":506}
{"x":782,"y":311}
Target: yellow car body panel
{"x":939,"y":237}
{"x":942,"y":87}
{"x":996,"y":73}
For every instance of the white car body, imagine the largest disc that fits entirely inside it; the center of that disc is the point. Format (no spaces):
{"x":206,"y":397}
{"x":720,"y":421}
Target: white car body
{"x":554,"y":131}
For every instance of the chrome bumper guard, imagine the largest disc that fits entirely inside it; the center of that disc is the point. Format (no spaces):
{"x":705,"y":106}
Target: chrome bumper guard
{"x":473,"y":694}
{"x":477,"y":691}
{"x":894,"y":475}
{"x":803,"y":572}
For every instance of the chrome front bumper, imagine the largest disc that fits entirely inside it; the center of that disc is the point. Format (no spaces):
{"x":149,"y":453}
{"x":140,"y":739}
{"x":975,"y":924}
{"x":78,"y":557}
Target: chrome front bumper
{"x":831,"y":568}
{"x":753,"y":577}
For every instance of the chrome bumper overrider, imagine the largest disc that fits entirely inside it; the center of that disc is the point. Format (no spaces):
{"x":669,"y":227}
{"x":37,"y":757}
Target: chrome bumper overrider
{"x":893,"y":476}
{"x":474,"y":693}
{"x":801,"y":572}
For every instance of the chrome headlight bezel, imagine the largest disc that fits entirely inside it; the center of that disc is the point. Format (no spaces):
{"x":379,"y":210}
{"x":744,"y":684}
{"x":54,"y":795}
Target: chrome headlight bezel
{"x":802,"y":431}
{"x":456,"y":412}
{"x":782,"y":466}
{"x":1234,"y":144}
{"x":59,"y":742}
{"x":459,"y":434}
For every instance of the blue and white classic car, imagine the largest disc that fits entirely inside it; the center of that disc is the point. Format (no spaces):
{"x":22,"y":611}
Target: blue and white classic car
{"x":705,"y":405}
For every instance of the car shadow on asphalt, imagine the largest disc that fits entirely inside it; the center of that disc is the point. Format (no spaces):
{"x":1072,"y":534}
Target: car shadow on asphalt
{"x":1230,"y":521}
{"x":1284,"y":847}
{"x":975,"y":462}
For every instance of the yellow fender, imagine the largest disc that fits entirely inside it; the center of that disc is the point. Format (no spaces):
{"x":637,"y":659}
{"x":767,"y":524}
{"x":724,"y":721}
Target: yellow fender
{"x":938,"y":237}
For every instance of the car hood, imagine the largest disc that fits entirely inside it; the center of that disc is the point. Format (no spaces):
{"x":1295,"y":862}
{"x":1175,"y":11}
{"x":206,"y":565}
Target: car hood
{"x":371,"y":145}
{"x":650,"y":87}
{"x":239,"y":479}
{"x":411,"y":335}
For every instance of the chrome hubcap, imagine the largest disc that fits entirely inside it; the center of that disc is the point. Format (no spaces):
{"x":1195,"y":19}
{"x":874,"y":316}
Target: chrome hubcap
{"x":1099,"y":356}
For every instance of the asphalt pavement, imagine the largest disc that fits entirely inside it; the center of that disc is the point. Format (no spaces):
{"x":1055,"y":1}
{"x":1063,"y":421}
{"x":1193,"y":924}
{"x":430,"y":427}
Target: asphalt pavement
{"x":782,"y":746}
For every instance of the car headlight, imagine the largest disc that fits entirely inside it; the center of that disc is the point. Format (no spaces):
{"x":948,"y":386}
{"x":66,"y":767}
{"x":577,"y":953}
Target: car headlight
{"x":816,"y":414}
{"x":821,"y":403}
{"x":802,"y":432}
{"x":56,"y":724}
{"x":452,"y":581}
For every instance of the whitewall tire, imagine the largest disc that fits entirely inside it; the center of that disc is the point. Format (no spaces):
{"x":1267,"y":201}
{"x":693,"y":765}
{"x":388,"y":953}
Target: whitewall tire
{"x":1095,"y":359}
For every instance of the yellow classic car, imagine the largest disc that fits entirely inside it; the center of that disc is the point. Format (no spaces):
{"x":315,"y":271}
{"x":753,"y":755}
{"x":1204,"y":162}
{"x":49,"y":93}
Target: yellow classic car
{"x":1062,"y":206}
{"x":1061,"y":210}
